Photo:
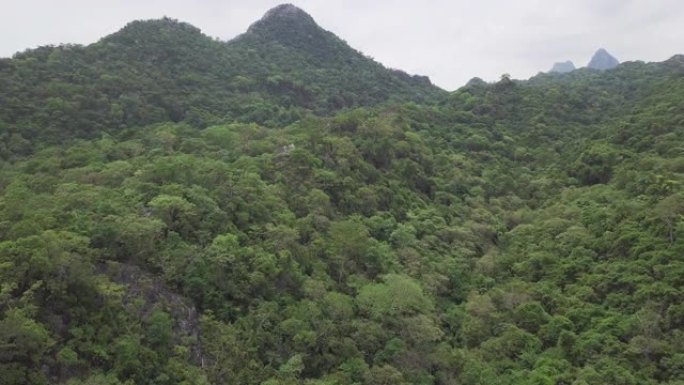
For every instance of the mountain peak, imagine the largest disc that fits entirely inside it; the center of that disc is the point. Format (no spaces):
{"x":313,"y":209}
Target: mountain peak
{"x":157,"y":26}
{"x":563,"y":67}
{"x":602,"y":60}
{"x":287,"y":37}
{"x":288,"y":26}
{"x":286,"y":11}
{"x":162,"y":33}
{"x":284,"y":16}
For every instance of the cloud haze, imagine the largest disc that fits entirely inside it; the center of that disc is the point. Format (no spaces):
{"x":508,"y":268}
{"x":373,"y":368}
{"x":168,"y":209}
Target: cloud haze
{"x":450,"y":41}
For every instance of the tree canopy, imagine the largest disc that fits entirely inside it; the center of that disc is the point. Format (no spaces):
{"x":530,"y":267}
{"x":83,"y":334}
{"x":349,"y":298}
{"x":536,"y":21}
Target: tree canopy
{"x":161,"y":223}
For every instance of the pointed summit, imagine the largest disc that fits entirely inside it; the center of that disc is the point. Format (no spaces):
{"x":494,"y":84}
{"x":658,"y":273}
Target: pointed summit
{"x":287,"y":11}
{"x":288,"y":25}
{"x":290,"y":28}
{"x":283,"y":18}
{"x":602,"y":60}
{"x":313,"y":63}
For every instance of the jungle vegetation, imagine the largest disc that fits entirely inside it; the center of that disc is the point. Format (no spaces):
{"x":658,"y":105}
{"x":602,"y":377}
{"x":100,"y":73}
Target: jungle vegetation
{"x":280,"y":209}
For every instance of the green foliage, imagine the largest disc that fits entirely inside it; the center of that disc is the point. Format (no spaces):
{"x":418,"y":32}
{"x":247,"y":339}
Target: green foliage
{"x":514,"y":233}
{"x":165,"y":70}
{"x":396,"y":296}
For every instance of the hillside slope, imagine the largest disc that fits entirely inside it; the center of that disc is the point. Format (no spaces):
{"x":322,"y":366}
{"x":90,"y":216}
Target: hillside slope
{"x":164,"y":70}
{"x":521,"y":232}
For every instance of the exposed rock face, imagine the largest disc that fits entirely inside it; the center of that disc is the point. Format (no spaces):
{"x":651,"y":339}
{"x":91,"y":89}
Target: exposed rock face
{"x":139,"y":284}
{"x":602,"y":60}
{"x":563,"y":67}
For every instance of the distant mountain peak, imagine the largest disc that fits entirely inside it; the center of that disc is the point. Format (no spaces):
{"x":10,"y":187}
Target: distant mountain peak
{"x":602,"y":60}
{"x":563,"y":67}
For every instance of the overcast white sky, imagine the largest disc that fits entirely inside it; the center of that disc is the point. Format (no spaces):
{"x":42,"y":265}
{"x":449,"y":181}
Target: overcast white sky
{"x":449,"y":40}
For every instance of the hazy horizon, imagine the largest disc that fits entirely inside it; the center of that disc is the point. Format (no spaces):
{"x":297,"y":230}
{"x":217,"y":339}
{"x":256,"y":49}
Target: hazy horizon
{"x":451,"y":42}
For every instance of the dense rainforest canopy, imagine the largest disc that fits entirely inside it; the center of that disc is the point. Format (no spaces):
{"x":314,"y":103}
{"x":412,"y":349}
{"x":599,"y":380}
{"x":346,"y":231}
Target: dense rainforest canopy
{"x":280,"y":209}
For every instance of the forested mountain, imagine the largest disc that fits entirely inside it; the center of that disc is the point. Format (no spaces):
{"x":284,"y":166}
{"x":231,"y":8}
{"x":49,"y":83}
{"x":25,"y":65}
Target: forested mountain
{"x":520,"y":232}
{"x":283,"y":68}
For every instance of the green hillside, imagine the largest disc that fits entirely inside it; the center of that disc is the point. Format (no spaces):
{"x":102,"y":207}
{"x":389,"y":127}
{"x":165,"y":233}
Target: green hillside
{"x":164,"y":70}
{"x":158,"y":228}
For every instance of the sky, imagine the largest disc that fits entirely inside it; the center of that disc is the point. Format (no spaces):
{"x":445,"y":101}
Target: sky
{"x":451,"y":41}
